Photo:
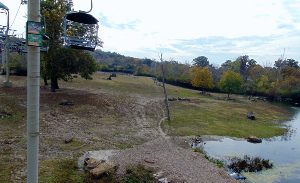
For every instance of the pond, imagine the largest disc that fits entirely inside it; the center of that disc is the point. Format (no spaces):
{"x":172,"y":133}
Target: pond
{"x":282,"y":151}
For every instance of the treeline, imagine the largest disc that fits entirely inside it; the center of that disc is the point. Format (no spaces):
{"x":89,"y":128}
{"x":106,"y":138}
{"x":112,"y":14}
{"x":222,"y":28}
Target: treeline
{"x":242,"y":75}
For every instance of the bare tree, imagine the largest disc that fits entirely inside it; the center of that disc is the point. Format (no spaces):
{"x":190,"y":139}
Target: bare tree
{"x":164,"y":87}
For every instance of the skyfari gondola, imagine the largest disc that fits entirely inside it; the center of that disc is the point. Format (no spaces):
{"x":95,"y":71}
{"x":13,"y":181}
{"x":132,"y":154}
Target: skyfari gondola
{"x":81,"y":30}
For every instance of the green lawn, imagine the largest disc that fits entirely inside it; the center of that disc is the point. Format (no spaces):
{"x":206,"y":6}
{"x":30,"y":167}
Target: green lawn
{"x":204,"y":115}
{"x":209,"y":116}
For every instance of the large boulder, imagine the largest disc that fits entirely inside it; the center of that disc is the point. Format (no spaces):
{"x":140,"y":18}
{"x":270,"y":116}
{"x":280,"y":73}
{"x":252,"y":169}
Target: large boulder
{"x":99,"y":168}
{"x":91,"y":163}
{"x":103,"y":168}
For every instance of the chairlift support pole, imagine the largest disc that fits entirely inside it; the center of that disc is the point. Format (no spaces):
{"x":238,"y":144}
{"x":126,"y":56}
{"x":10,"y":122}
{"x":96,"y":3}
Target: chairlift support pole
{"x":33,"y":98}
{"x":6,"y":52}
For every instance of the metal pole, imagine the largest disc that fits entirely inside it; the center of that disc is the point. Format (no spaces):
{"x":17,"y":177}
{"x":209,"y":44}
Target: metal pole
{"x":6,"y":47}
{"x":33,"y":99}
{"x":6,"y":53}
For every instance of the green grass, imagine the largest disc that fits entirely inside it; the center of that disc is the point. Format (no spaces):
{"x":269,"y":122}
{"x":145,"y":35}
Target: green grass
{"x":138,"y":174}
{"x":208,"y":116}
{"x":9,"y":129}
{"x":61,"y":171}
{"x":6,"y":167}
{"x":217,"y":162}
{"x":66,"y":171}
{"x":122,"y":84}
{"x":204,"y":115}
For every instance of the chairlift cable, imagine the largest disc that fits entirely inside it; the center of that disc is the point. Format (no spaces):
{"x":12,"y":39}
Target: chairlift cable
{"x":16,"y":15}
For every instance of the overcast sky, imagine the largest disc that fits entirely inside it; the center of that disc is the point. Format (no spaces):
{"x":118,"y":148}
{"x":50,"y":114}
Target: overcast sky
{"x":185,"y":29}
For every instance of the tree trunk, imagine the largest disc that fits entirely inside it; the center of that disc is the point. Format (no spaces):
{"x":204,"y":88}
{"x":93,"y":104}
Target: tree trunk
{"x":45,"y":81}
{"x":54,"y":84}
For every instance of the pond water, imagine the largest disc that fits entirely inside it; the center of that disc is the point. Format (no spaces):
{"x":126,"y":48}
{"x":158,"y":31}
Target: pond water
{"x":282,"y":151}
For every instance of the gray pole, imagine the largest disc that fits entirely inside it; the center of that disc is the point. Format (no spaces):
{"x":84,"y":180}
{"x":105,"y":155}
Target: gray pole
{"x":6,"y":47}
{"x":33,"y":99}
{"x":6,"y":53}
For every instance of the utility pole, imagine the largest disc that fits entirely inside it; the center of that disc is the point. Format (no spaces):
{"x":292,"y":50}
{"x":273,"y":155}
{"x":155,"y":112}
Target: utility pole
{"x":33,"y":98}
{"x":164,"y":87}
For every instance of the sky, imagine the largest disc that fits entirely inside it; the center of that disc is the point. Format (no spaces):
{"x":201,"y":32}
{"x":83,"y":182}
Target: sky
{"x":184,"y":29}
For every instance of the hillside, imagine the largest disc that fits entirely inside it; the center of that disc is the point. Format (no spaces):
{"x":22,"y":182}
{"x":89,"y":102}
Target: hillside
{"x":123,"y":114}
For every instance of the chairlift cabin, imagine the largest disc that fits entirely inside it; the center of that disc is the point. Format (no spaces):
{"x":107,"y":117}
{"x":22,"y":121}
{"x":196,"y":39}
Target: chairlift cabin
{"x":80,"y":31}
{"x":4,"y":29}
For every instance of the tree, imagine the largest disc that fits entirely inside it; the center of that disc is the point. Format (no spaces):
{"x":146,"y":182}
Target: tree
{"x":202,"y":78}
{"x":230,"y":82}
{"x":245,"y":64}
{"x":280,"y":63}
{"x":201,"y":61}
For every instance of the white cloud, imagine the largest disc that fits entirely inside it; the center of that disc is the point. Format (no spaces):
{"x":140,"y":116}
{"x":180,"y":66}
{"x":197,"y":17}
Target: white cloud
{"x":162,"y":25}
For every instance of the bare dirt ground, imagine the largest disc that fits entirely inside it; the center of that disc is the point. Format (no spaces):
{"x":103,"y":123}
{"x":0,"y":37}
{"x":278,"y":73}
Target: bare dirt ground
{"x":100,"y":120}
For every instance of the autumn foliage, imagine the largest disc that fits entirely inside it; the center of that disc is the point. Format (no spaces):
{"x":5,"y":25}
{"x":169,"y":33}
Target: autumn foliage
{"x":202,"y":78}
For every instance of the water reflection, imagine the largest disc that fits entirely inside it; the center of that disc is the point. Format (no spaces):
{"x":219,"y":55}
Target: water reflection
{"x":283,"y":151}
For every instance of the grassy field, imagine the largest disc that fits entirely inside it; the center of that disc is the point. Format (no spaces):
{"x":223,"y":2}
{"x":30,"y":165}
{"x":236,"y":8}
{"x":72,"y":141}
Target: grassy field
{"x":225,"y":118}
{"x":107,"y":115}
{"x":203,"y":115}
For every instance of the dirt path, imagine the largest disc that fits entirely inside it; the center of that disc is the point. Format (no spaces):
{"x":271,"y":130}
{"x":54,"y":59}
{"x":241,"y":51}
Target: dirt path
{"x":175,"y":163}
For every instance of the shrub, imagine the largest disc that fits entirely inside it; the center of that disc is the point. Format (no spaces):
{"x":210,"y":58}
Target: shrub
{"x":249,"y":164}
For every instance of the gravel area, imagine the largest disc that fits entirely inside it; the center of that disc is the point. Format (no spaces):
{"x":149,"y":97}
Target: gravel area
{"x":177,"y":164}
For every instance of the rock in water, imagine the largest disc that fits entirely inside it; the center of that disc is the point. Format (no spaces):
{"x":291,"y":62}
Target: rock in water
{"x":254,"y":139}
{"x":237,"y":176}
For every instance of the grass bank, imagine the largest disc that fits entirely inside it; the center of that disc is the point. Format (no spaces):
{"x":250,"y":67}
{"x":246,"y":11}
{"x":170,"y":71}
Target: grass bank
{"x":215,"y":116}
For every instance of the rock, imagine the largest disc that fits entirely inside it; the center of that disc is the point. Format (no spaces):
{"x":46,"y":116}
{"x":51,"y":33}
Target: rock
{"x":68,"y":140}
{"x":158,"y":175}
{"x":98,"y":168}
{"x":151,"y":161}
{"x":254,"y":139}
{"x":4,"y":114}
{"x":237,"y":176}
{"x":172,"y":99}
{"x":66,"y":103}
{"x":8,"y":142}
{"x":103,"y":169}
{"x":162,"y":180}
{"x":91,"y":163}
{"x":183,"y":99}
{"x":251,"y":116}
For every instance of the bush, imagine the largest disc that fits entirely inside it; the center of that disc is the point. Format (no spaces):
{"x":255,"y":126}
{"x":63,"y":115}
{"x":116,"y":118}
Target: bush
{"x":249,"y":164}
